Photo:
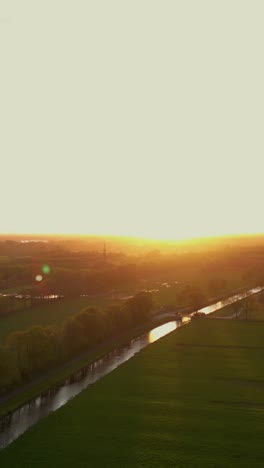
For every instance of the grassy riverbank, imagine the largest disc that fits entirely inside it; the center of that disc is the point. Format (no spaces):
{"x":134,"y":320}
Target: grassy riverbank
{"x":195,"y":398}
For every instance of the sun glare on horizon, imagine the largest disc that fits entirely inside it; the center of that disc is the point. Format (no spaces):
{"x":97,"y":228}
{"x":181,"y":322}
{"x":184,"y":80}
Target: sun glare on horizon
{"x":155,"y":135}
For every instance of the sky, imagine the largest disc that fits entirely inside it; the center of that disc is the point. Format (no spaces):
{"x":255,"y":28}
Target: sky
{"x":141,"y":118}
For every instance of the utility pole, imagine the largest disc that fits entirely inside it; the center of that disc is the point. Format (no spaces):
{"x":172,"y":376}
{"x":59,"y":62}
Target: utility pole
{"x":104,"y":254}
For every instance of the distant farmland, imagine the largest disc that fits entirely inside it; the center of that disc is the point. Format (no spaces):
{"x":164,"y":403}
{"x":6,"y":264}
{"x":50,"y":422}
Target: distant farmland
{"x":195,"y":399}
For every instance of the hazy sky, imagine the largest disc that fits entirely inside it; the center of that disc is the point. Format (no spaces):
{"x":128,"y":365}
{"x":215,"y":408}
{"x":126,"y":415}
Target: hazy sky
{"x":132,"y":117}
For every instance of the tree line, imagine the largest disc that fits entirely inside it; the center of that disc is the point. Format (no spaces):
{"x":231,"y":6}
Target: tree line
{"x":29,"y":353}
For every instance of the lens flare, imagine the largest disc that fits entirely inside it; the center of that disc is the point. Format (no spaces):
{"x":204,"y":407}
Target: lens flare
{"x":46,"y":269}
{"x":39,"y":278}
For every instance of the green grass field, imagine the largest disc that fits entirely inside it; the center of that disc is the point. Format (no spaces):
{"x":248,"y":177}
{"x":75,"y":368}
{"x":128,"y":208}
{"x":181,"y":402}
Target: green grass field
{"x":193,"y":399}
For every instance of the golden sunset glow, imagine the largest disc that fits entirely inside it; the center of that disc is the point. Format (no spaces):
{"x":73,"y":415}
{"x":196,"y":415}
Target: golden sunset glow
{"x":135,"y":119}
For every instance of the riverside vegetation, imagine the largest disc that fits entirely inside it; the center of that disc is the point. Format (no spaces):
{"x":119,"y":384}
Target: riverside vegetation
{"x":38,"y":349}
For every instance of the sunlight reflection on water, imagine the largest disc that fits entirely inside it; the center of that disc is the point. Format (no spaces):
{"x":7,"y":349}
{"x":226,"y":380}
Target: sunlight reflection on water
{"x":163,"y":330}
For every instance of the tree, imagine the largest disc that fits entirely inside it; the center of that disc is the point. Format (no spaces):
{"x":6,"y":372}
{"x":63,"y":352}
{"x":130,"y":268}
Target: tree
{"x":36,"y":349}
{"x":84,"y":329}
{"x":16,"y":343}
{"x":193,"y":297}
{"x":120,"y":318}
{"x":9,"y":373}
{"x":73,"y":337}
{"x":140,"y":306}
{"x":94,"y":324}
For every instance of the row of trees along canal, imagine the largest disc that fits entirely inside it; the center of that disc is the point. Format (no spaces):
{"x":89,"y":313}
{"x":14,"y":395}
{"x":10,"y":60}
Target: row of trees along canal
{"x":29,"y":353}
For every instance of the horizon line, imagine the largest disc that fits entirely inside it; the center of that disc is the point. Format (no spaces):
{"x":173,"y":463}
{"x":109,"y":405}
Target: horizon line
{"x":132,"y":237}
